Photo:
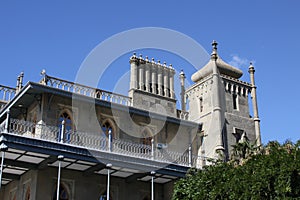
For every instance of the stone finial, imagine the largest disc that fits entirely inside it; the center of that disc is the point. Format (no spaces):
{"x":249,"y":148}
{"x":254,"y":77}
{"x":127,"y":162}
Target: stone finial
{"x":44,"y":80}
{"x":182,"y":74}
{"x":214,"y":54}
{"x":152,"y":60}
{"x":147,"y":60}
{"x":133,"y":58}
{"x":251,"y":68}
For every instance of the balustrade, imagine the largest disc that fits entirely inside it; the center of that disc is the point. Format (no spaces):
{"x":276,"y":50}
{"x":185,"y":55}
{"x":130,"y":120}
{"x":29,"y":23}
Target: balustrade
{"x":7,"y":93}
{"x":98,"y":141}
{"x":85,"y":90}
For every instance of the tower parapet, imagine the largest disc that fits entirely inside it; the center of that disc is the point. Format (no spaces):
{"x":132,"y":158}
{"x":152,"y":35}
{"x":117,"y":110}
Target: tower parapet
{"x":152,"y":85}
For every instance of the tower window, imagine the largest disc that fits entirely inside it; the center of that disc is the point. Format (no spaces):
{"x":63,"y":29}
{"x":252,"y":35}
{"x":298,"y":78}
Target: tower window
{"x":201,"y":104}
{"x":235,"y":101}
{"x":238,"y":134}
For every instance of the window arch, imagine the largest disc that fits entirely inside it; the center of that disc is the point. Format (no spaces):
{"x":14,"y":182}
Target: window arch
{"x":146,"y":139}
{"x":146,"y":136}
{"x":69,"y":126}
{"x":109,"y":126}
{"x":103,"y":196}
{"x":63,"y":193}
{"x":27,"y":194}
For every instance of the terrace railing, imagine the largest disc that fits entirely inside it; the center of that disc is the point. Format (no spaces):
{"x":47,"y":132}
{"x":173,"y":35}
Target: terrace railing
{"x":6,"y":94}
{"x":100,"y":142}
{"x":85,"y":90}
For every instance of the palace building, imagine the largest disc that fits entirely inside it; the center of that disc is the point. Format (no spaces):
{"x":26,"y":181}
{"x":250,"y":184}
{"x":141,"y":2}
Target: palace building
{"x":64,"y":140}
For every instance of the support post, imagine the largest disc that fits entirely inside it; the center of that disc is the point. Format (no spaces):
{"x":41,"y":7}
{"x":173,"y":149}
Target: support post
{"x":108,"y":166}
{"x":3,"y":148}
{"x":109,"y":141}
{"x":61,"y":139}
{"x":152,"y":185}
{"x":60,"y":158}
{"x":7,"y":122}
{"x":152,"y":149}
{"x":190,"y":156}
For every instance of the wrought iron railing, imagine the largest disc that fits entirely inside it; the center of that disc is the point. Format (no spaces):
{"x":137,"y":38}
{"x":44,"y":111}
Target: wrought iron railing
{"x":85,"y":90}
{"x":100,"y":142}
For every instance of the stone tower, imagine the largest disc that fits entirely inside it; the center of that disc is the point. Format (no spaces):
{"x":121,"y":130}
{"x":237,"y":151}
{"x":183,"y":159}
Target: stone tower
{"x":152,"y":86}
{"x":219,"y":99}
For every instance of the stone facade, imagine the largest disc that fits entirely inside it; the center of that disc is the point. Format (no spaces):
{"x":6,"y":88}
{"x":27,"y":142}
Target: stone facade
{"x":146,"y":132}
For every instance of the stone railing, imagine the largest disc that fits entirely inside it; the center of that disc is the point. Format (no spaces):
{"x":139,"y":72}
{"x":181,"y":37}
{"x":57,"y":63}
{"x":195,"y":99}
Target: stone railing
{"x":182,"y":114}
{"x":85,"y":90}
{"x":100,"y":142}
{"x":7,"y":93}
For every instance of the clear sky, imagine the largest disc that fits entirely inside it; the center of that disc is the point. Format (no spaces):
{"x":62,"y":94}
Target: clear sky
{"x":58,"y":36}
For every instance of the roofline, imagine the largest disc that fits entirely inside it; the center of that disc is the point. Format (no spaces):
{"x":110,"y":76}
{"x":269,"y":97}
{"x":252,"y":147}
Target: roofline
{"x":15,"y":99}
{"x":130,"y":109}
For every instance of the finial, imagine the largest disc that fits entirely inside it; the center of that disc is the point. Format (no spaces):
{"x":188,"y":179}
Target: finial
{"x":182,"y":72}
{"x":214,"y":54}
{"x":152,"y":59}
{"x":134,"y":54}
{"x":251,"y":68}
{"x":165,"y":64}
{"x":43,"y":72}
{"x":158,"y":61}
{"x":147,"y":58}
{"x":141,"y":56}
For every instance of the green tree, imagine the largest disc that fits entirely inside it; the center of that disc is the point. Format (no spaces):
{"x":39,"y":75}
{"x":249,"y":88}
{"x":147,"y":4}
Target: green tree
{"x":271,"y":173}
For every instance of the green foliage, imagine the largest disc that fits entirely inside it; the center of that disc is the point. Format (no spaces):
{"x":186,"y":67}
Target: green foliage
{"x":270,"y":173}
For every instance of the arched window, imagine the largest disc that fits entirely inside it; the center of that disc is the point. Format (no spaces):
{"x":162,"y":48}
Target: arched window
{"x":63,"y":193}
{"x":69,"y":126}
{"x":27,"y":194}
{"x":108,"y":126}
{"x":103,"y":196}
{"x":146,"y":136}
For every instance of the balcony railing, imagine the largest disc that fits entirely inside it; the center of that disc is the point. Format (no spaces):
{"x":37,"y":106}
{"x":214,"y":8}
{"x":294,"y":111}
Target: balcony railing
{"x":6,"y":94}
{"x":85,"y":90}
{"x":100,"y":142}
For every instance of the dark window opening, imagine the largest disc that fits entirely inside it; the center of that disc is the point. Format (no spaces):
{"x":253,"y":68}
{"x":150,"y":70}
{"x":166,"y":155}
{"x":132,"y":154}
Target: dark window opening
{"x":235,"y":101}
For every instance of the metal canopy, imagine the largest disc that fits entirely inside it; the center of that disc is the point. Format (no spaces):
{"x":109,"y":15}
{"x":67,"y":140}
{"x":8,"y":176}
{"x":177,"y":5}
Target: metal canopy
{"x":25,"y":153}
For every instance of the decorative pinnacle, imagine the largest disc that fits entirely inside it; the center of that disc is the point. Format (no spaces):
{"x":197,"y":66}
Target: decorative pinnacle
{"x":182,"y":75}
{"x":214,"y":54}
{"x":251,"y":68}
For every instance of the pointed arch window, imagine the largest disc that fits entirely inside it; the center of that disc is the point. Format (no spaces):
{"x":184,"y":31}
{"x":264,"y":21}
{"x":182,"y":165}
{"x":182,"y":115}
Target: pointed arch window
{"x":68,"y":127}
{"x":146,"y":137}
{"x":27,"y":194}
{"x":103,"y":196}
{"x":108,"y":127}
{"x":63,"y":193}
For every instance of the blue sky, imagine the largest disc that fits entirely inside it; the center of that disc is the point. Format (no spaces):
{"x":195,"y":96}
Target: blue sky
{"x":58,"y":36}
